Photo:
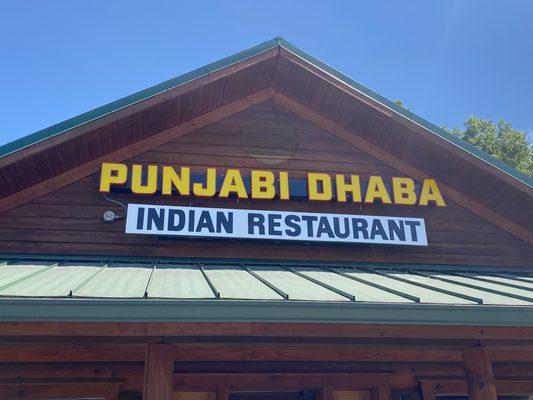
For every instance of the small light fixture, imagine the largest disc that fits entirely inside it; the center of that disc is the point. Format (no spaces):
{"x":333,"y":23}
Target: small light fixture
{"x":109,"y":216}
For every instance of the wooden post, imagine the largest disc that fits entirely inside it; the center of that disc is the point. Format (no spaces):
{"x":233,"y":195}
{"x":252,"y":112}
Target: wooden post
{"x":428,"y":391}
{"x":382,"y":392}
{"x":326,"y":393}
{"x":478,"y":370}
{"x":158,"y":372}
{"x":222,"y":393}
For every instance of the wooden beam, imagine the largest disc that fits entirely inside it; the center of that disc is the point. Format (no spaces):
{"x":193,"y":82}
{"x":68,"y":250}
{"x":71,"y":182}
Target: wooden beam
{"x":432,"y":388}
{"x":374,"y":351}
{"x":479,"y":376}
{"x":144,"y":329}
{"x":129,"y":151}
{"x":158,"y":372}
{"x":41,"y":391}
{"x":313,"y":352}
{"x":402,"y":166}
{"x":284,"y":381}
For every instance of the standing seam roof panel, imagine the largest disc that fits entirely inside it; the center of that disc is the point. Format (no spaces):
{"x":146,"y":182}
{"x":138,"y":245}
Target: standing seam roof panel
{"x":55,"y":282}
{"x":237,"y":283}
{"x":361,"y":291}
{"x":179,"y":281}
{"x":298,"y":288}
{"x":118,"y":281}
{"x":425,"y":295}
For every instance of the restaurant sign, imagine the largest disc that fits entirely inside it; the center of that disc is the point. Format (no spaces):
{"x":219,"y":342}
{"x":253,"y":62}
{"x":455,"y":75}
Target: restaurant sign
{"x":273,"y":225}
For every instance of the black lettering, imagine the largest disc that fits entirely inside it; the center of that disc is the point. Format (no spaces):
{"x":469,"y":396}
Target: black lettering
{"x":360,"y":225}
{"x":413,"y":225}
{"x":337,"y":228}
{"x":140,"y":218}
{"x":172,"y":225}
{"x":377,"y":229}
{"x":274,"y":222}
{"x":396,"y":230}
{"x":224,"y":221}
{"x":191,"y":220}
{"x":309,"y":220}
{"x":204,"y":222}
{"x":157,"y":218}
{"x":324,"y":227}
{"x":256,"y":221}
{"x":291,"y":222}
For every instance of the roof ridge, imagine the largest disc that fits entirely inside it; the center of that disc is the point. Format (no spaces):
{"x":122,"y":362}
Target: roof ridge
{"x":415,"y":118}
{"x":109,"y":108}
{"x":139,"y":96}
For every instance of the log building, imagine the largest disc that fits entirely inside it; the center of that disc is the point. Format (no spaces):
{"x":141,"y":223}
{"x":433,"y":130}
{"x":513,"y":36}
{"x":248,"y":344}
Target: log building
{"x":262,"y":228}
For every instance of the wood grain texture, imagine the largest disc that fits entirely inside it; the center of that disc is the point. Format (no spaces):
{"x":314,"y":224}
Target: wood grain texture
{"x":138,"y":329}
{"x":394,"y":134}
{"x":479,"y":375}
{"x":158,"y":372}
{"x":65,"y":220}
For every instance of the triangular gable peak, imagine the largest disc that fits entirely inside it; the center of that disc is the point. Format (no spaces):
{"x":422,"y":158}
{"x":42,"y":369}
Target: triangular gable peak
{"x":277,"y":71}
{"x":69,"y":219}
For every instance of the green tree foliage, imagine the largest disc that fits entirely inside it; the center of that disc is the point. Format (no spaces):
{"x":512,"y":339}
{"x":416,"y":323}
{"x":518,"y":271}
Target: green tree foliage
{"x":500,"y":140}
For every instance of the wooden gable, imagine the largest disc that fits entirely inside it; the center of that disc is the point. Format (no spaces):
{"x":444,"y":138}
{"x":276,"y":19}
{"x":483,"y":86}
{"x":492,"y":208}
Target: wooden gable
{"x":264,"y":136}
{"x":49,"y":201}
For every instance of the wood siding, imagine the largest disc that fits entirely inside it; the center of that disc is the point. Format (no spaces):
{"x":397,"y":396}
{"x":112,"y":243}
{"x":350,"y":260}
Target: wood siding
{"x":68,"y":220}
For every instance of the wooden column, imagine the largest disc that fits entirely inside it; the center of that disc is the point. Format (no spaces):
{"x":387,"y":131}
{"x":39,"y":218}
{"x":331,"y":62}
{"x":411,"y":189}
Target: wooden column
{"x":222,"y":393}
{"x":326,"y":393}
{"x":158,"y":372}
{"x":382,"y":392}
{"x":478,"y":370}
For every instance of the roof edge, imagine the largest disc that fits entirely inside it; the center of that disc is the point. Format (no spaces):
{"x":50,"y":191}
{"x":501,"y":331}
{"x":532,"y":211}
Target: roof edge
{"x":77,"y":310}
{"x":441,"y":133}
{"x":137,"y":97}
{"x":107,"y":109}
{"x":10,"y":257}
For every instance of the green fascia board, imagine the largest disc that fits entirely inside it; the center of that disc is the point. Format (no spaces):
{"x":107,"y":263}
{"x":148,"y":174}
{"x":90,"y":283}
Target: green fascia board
{"x":106,"y":258}
{"x":137,"y":97}
{"x":107,"y":109}
{"x":98,"y":310}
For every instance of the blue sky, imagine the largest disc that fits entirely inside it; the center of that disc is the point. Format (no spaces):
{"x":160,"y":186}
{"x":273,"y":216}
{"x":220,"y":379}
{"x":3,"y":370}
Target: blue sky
{"x":445,"y":59}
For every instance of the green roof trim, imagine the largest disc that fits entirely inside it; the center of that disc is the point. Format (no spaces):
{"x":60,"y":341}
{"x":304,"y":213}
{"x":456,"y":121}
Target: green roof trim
{"x":469,"y":148}
{"x":114,"y":106}
{"x":137,"y":97}
{"x":89,"y":310}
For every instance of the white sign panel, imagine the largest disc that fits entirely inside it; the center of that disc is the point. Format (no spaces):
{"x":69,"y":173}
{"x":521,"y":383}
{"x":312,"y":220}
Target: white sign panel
{"x":274,"y":225}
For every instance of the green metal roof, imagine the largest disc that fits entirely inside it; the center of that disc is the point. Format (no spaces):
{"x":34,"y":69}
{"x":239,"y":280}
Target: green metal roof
{"x":245,"y":291}
{"x":65,"y":126}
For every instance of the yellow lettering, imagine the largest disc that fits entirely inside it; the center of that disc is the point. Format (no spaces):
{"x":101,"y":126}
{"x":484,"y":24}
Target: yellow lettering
{"x":112,"y":174}
{"x":233,"y":183}
{"x":323,"y":193}
{"x":210,"y":188}
{"x":262,"y":183}
{"x":136,"y":180}
{"x":376,"y":190}
{"x":403,"y":190}
{"x":284,"y":186}
{"x":430,"y":192}
{"x":171,"y":180}
{"x":343,"y":188}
